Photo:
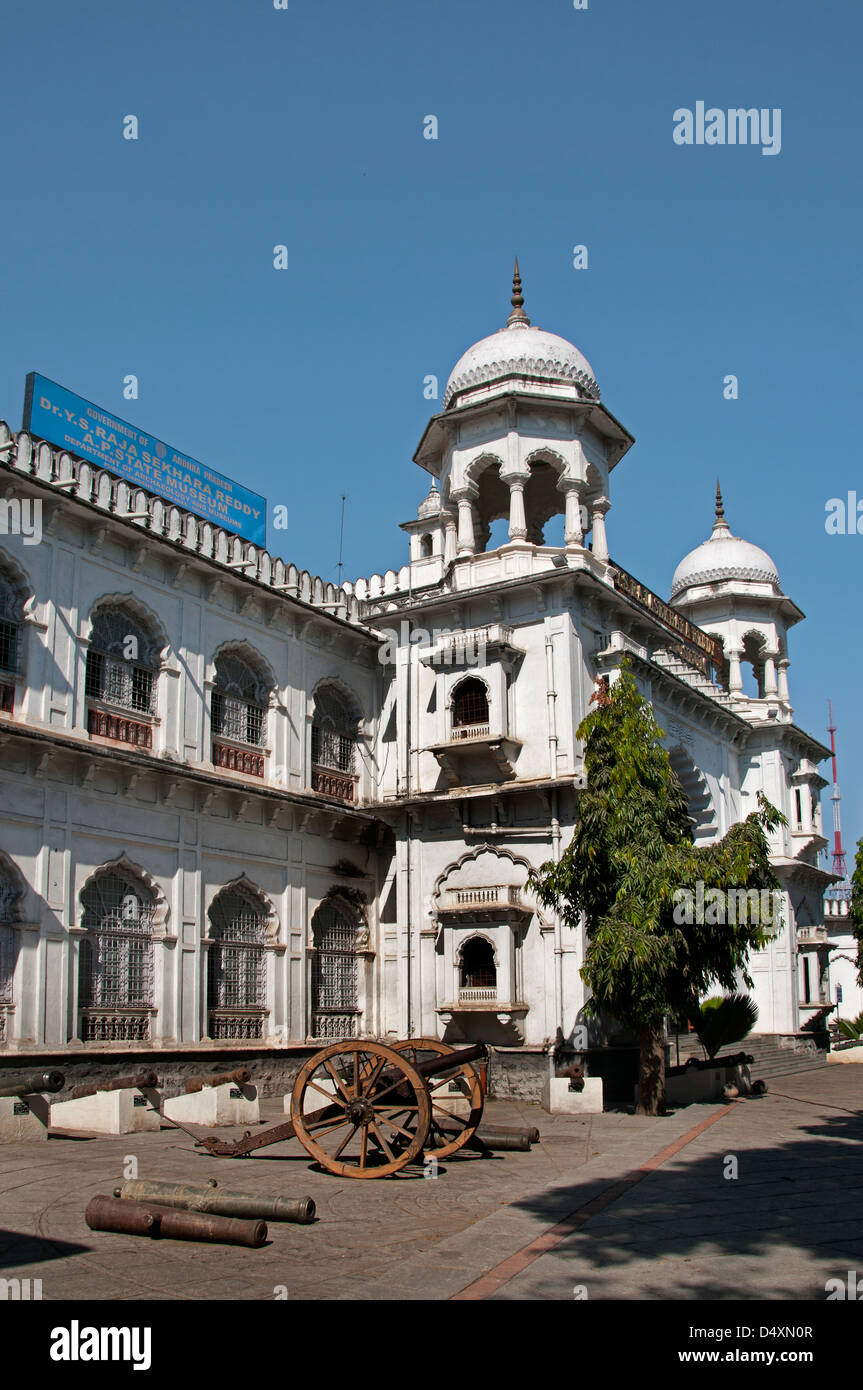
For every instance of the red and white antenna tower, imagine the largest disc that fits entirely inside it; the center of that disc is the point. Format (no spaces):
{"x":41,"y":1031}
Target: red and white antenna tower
{"x":839,"y":866}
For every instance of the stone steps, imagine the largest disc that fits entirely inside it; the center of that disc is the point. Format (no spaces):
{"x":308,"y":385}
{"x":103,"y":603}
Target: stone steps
{"x":771,"y":1058}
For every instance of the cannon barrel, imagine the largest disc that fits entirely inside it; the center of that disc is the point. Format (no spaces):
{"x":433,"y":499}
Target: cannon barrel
{"x":435,"y":1066}
{"x":33,"y":1083}
{"x":530,"y":1131}
{"x":238,"y":1077}
{"x":142,"y":1080}
{"x":189,"y":1197}
{"x":489,"y":1137}
{"x":148,"y":1219}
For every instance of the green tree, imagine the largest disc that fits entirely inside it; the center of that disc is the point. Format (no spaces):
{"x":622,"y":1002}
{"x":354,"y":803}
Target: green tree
{"x":856,"y":913}
{"x":628,"y":870}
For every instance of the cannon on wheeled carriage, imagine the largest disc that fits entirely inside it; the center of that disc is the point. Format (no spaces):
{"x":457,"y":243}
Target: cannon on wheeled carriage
{"x":365,"y":1110}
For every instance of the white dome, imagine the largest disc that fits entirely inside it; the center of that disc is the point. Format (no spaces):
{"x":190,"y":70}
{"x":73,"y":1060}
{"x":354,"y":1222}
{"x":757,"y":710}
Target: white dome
{"x":521,"y":350}
{"x":723,"y":556}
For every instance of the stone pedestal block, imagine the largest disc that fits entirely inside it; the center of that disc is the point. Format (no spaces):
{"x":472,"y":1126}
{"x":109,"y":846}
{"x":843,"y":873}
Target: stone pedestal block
{"x":108,"y":1112}
{"x":27,"y":1118}
{"x":558,"y":1099}
{"x":216,"y":1105}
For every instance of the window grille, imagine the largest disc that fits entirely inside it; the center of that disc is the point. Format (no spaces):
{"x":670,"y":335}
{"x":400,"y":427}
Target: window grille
{"x":10,"y":629}
{"x":116,"y":960}
{"x":334,"y":974}
{"x":470,"y":704}
{"x":237,"y":963}
{"x":112,"y":676}
{"x":8,"y":956}
{"x":239,"y":704}
{"x":334,"y":731}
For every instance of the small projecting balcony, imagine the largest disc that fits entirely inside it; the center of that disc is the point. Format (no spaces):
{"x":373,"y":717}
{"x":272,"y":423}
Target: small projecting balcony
{"x":812,"y":936}
{"x":472,"y":754}
{"x":476,"y":646}
{"x":492,"y":902}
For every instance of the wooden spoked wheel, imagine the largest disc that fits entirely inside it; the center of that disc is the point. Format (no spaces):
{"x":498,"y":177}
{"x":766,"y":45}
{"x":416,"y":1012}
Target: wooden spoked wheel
{"x":448,"y":1131}
{"x":361,"y":1109}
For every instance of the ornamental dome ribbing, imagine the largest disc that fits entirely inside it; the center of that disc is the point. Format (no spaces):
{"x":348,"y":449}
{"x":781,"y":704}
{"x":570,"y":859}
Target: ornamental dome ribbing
{"x":721,"y":557}
{"x":521,"y":350}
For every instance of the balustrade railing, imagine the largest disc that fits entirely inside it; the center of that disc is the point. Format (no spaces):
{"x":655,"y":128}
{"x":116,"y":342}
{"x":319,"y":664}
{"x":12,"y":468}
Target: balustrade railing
{"x":463,"y":731}
{"x":338,"y":784}
{"x":238,"y":759}
{"x":115,"y":1025}
{"x":119,"y":729}
{"x":228,"y":1025}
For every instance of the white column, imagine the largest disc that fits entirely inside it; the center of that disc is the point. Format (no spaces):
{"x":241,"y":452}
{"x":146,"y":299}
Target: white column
{"x":783,"y":664}
{"x":770,"y":688}
{"x":572,"y":533}
{"x":466,"y":541}
{"x":735,"y":677}
{"x":450,"y":539}
{"x":517,"y":522}
{"x":599,"y":508}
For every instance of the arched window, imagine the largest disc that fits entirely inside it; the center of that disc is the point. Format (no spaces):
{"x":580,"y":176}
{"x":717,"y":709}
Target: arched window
{"x":239,"y":715}
{"x":10,"y":892}
{"x":426,"y":547}
{"x":334,"y":739}
{"x":122,"y":662}
{"x":470,"y":708}
{"x":236,"y":965}
{"x":11,"y":645}
{"x":115,"y":975}
{"x":478,"y":973}
{"x":752,"y":659}
{"x":334,"y":972}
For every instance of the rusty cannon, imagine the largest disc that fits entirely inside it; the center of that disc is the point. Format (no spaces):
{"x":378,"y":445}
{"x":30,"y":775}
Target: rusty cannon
{"x":218,"y":1202}
{"x":366,"y":1110}
{"x":240,"y":1076}
{"x":150,"y":1219}
{"x":33,"y":1083}
{"x":141,"y":1081}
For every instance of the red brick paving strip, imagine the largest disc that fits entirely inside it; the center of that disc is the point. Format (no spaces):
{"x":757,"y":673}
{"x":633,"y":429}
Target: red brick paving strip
{"x":494,"y":1279}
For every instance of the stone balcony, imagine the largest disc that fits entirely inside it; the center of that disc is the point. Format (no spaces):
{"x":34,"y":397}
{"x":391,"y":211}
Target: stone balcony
{"x":477,"y":646}
{"x":812,"y":936}
{"x":473,"y":754}
{"x":485,"y":903}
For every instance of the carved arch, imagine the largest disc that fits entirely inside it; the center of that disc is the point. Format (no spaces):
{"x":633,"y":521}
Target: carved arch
{"x":124,"y":867}
{"x":145,"y":615}
{"x":11,"y":897}
{"x":260,"y":666}
{"x":480,"y":935}
{"x":256,"y":896}
{"x":20,"y":584}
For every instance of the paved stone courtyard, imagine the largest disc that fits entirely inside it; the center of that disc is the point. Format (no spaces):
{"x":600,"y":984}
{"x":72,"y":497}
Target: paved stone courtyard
{"x":791,"y":1219}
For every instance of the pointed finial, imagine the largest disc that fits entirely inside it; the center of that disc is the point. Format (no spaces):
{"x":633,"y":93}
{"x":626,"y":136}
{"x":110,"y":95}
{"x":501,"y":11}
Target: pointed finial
{"x":720,"y":525}
{"x":518,"y":316}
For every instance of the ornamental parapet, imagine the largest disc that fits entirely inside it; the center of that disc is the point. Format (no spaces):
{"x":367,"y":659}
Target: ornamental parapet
{"x":152,"y":515}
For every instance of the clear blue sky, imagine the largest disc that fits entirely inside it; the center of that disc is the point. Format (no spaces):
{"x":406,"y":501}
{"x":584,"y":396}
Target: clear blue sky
{"x":304,"y":127}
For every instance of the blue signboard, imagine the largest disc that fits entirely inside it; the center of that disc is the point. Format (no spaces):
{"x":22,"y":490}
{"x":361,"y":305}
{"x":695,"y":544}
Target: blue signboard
{"x":55,"y":414}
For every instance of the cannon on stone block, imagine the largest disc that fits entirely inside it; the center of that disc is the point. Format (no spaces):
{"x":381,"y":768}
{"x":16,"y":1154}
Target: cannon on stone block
{"x":33,"y":1083}
{"x":365,"y":1110}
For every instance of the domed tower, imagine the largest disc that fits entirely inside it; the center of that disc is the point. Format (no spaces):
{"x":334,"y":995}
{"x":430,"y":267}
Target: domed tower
{"x":522,"y":437}
{"x":730,"y":588}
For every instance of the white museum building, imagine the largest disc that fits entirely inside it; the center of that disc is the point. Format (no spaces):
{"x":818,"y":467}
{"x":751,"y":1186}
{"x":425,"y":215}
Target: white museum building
{"x":242,"y":807}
